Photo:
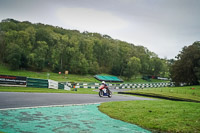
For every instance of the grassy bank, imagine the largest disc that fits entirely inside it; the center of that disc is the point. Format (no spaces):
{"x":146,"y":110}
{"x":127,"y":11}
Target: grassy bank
{"x":4,"y":70}
{"x":186,"y":92}
{"x":44,"y":75}
{"x":158,"y":116}
{"x":45,"y":90}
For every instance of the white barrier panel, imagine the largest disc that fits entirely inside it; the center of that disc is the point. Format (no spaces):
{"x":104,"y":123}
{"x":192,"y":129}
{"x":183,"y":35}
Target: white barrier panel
{"x":53,"y":84}
{"x":67,"y":88}
{"x":96,"y":84}
{"x":69,"y":84}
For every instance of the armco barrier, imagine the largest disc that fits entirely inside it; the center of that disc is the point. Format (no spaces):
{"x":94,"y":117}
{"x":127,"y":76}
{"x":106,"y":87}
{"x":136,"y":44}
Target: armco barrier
{"x":37,"y":83}
{"x":147,"y":85}
{"x":42,"y":83}
{"x":67,"y":86}
{"x":8,"y":80}
{"x":122,"y":86}
{"x":61,"y":86}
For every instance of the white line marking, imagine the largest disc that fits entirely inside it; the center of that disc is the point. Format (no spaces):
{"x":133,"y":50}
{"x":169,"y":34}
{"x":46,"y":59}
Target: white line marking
{"x":50,"y":106}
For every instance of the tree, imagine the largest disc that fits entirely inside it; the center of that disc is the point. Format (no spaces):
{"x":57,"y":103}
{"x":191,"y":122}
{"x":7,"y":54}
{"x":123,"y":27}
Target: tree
{"x":165,"y":68}
{"x":78,"y":64}
{"x":2,"y":46}
{"x":44,"y":46}
{"x":156,"y":65}
{"x":187,"y":67}
{"x":37,"y":58}
{"x":14,"y":56}
{"x":133,"y":67}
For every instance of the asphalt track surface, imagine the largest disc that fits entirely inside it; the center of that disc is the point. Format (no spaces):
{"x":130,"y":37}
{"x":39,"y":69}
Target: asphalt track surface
{"x":22,"y":99}
{"x":24,"y":112}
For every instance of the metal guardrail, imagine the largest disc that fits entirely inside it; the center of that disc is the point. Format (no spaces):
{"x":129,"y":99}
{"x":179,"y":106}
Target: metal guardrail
{"x":122,"y":86}
{"x":44,"y":83}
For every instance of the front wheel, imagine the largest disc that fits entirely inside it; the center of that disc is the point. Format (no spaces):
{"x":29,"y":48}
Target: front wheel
{"x":100,"y":93}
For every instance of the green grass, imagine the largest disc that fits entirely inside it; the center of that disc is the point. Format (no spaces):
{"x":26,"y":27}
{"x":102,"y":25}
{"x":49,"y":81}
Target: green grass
{"x":81,"y":78}
{"x":4,"y":70}
{"x":43,"y":75}
{"x":174,"y":92}
{"x":156,"y":115}
{"x":140,"y":80}
{"x":46,"y":90}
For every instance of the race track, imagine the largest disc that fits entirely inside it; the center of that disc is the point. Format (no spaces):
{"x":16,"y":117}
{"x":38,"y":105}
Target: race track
{"x":53,"y":113}
{"x":21,"y":99}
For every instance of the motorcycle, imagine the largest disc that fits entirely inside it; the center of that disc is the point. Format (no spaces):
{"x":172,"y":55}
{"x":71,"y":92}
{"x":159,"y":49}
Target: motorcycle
{"x":104,"y":92}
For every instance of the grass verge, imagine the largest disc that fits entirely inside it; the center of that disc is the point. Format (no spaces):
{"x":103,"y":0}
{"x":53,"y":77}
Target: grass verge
{"x":47,"y":75}
{"x":5,"y":70}
{"x":187,"y":93}
{"x":45,"y":90}
{"x":156,"y":115}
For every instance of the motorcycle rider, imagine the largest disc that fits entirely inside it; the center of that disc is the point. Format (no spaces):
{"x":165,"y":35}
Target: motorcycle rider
{"x":105,"y":86}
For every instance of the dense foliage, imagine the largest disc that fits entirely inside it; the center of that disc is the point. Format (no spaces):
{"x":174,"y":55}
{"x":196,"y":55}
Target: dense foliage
{"x":39,"y":47}
{"x":187,"y":67}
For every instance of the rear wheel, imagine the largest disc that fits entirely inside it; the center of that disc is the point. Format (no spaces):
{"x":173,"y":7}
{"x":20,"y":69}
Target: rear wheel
{"x":110,"y":94}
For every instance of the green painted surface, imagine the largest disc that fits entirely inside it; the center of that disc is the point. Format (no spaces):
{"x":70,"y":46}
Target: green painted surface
{"x":108,"y":78}
{"x":76,"y":119}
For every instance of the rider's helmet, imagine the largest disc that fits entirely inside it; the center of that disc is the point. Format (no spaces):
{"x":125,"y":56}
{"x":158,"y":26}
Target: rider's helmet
{"x":103,"y":82}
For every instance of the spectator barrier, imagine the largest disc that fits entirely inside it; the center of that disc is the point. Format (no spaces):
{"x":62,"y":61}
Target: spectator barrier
{"x":53,"y":84}
{"x":8,"y":80}
{"x":43,"y":83}
{"x":37,"y":83}
{"x":123,"y":86}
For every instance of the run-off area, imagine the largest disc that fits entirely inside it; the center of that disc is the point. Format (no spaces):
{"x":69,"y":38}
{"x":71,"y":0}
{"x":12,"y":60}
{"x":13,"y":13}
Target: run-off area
{"x":76,"y":118}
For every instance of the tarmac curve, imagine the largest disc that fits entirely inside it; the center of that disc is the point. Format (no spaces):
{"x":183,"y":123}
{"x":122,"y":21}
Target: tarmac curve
{"x":19,"y":110}
{"x":22,"y":99}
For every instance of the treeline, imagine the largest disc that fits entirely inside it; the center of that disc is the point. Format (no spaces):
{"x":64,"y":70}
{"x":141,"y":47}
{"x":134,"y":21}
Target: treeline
{"x":39,"y":47}
{"x":186,"y":69}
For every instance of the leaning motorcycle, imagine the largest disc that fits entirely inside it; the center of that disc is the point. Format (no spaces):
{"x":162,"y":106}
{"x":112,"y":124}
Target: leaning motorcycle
{"x":104,"y":92}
